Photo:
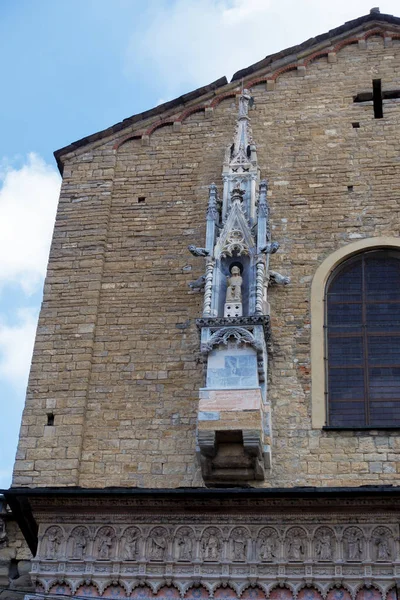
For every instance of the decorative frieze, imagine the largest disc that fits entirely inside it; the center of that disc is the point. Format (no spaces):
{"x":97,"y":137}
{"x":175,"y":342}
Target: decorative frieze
{"x":237,"y":551}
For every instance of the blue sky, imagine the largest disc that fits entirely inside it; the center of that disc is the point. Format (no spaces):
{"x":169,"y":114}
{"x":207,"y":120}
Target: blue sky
{"x":69,"y":69}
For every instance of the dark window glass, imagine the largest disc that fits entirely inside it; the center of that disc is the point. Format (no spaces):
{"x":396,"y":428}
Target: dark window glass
{"x":363,"y":341}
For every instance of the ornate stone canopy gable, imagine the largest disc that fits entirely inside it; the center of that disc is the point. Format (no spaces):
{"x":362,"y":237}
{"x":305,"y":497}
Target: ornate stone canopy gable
{"x":234,"y":439}
{"x":236,"y":237}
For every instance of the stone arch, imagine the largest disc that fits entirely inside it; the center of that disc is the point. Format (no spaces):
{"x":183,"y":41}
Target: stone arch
{"x":59,"y":584}
{"x":284,"y":70}
{"x":112,"y":590}
{"x":196,"y":592}
{"x":305,"y":592}
{"x":320,"y":279}
{"x":158,"y":125}
{"x":253,"y":592}
{"x":226,"y":592}
{"x":372,"y":32}
{"x":128,"y":138}
{"x":335,"y":592}
{"x":172,"y":592}
{"x":222,"y":97}
{"x":88,"y":590}
{"x":371,"y":592}
{"x":190,"y":111}
{"x":316,"y":56}
{"x":141,"y":592}
{"x":282,"y":592}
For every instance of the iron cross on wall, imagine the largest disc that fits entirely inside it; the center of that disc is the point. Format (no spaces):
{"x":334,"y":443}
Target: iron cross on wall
{"x":377,"y":96}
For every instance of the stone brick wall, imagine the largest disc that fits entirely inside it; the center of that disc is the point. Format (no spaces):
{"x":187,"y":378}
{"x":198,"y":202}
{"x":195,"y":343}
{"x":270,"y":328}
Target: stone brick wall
{"x":116,"y":357}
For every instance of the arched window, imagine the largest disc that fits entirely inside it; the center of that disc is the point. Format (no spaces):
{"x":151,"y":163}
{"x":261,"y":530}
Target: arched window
{"x":362,"y":341}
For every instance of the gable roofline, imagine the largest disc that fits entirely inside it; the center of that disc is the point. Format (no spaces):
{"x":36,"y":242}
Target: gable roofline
{"x":283,"y":57}
{"x":372,"y":17}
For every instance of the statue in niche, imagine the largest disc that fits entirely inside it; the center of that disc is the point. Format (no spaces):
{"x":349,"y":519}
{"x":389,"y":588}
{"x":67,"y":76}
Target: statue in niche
{"x":105,"y":544}
{"x":296,"y":548}
{"x":267,"y":549}
{"x":131,"y":544}
{"x":80,"y":541}
{"x":323,"y":546}
{"x":185,"y":547}
{"x":53,"y":542}
{"x":234,"y":289}
{"x":382,"y":548}
{"x":158,"y":546}
{"x":354,"y":545}
{"x":211,"y":548}
{"x":239,"y":547}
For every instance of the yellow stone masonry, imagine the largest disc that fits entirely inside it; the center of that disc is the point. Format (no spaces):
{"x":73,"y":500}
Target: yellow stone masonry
{"x":117,"y":359}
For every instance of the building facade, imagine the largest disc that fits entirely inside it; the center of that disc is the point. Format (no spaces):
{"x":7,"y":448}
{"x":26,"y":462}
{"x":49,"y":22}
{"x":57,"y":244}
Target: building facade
{"x":213,"y":407}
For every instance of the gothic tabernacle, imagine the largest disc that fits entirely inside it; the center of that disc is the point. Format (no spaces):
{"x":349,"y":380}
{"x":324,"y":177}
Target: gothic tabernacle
{"x":213,"y":409}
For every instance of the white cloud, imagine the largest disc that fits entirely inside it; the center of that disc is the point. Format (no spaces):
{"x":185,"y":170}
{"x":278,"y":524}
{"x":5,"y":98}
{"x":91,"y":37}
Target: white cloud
{"x":189,"y":43}
{"x":16,"y":345}
{"x":28,"y":202}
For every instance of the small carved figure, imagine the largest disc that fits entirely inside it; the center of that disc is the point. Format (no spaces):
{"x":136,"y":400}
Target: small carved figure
{"x":270,"y":248}
{"x":197,"y":251}
{"x":278,"y":278}
{"x":296,"y":548}
{"x":185,"y":548}
{"x":198,"y":284}
{"x":354,"y":545}
{"x":382,"y":548}
{"x":105,"y":545}
{"x":234,"y":289}
{"x":158,"y":547}
{"x":53,"y":542}
{"x":267,"y":549}
{"x":131,"y":544}
{"x":210,"y":548}
{"x":323,"y":546}
{"x":239,"y":548}
{"x":80,"y":541}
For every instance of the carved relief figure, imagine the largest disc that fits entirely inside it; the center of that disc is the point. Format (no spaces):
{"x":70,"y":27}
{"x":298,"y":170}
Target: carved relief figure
{"x":234,"y":289}
{"x":185,"y":548}
{"x":211,"y":545}
{"x":158,"y":544}
{"x":79,"y":537}
{"x":239,"y":544}
{"x":354,"y":544}
{"x":54,"y":537}
{"x":296,"y":547}
{"x":323,"y":545}
{"x":131,"y":544}
{"x":268,"y":548}
{"x":105,"y":543}
{"x":382,"y":543}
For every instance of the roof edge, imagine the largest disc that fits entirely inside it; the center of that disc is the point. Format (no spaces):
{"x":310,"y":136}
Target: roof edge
{"x":152,"y":112}
{"x":371,"y":18}
{"x":332,"y":33}
{"x":299,"y":492}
